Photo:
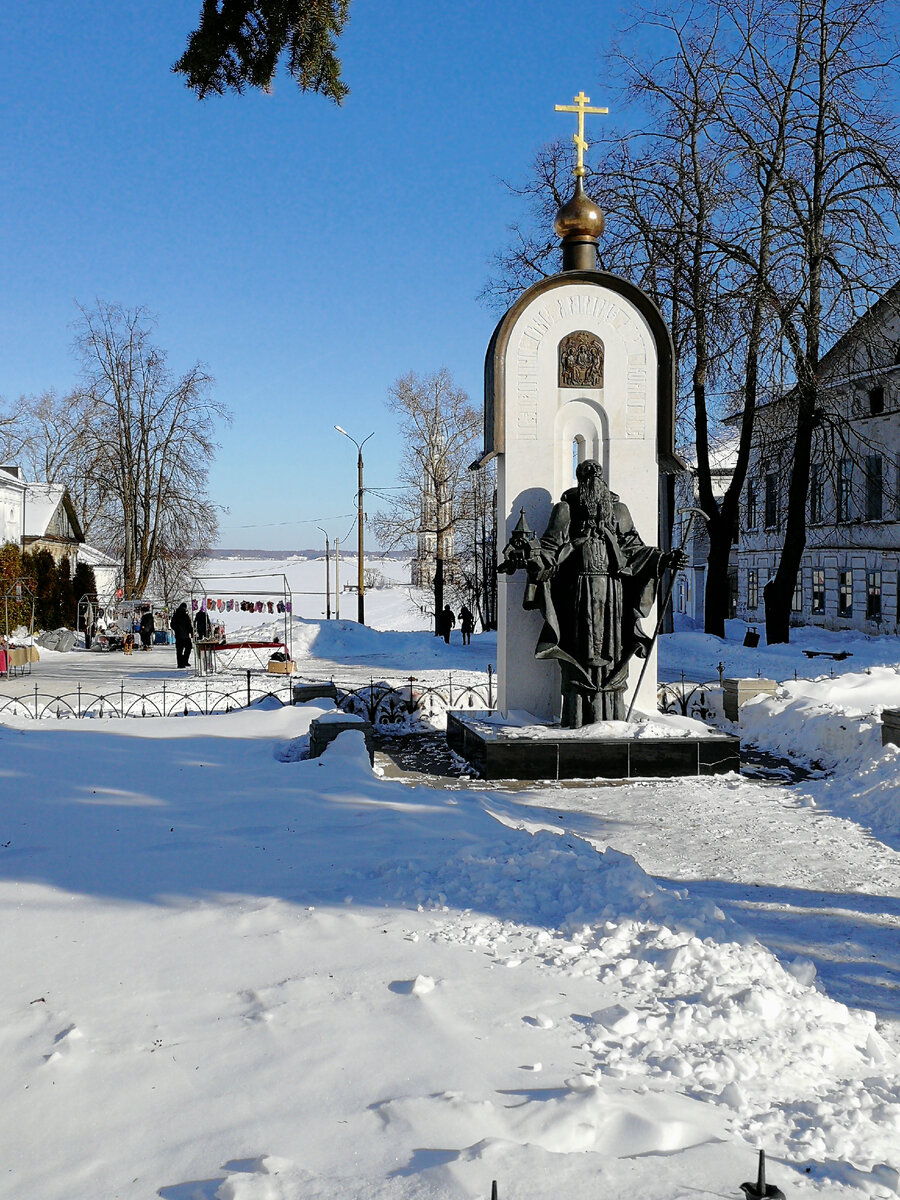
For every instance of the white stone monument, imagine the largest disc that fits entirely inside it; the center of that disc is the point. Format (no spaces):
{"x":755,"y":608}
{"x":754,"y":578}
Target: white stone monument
{"x":580,"y":367}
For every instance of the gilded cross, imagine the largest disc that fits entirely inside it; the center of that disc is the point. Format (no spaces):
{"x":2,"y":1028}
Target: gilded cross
{"x":579,"y":105}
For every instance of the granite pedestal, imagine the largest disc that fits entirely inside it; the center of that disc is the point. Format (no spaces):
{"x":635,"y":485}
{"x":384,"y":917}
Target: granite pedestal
{"x":498,"y":752}
{"x":736,"y":692}
{"x":323,"y":730}
{"x":304,"y":692}
{"x":890,"y":727}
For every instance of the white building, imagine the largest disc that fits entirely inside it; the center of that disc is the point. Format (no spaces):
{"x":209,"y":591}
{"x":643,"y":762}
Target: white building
{"x":692,"y":535}
{"x":849,"y":571}
{"x":12,"y":501}
{"x":107,"y":570}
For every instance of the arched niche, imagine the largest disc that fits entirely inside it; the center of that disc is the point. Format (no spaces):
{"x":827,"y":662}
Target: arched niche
{"x":581,"y":431}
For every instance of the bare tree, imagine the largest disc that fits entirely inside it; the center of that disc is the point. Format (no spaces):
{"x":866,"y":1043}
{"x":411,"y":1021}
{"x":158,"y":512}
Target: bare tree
{"x":838,"y":204}
{"x":475,"y":547}
{"x":56,"y":446}
{"x":439,"y":428}
{"x":759,"y":207}
{"x":152,"y":439}
{"x":13,"y":434}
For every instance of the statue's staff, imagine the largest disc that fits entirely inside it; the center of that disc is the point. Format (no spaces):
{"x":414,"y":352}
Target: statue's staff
{"x":694,"y":512}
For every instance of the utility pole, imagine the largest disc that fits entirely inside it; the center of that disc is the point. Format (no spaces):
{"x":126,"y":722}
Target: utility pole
{"x":337,"y":579}
{"x":327,"y":576}
{"x":360,"y":522}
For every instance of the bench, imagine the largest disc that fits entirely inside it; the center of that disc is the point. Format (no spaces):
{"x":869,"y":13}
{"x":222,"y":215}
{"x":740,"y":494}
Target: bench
{"x":837,"y":655}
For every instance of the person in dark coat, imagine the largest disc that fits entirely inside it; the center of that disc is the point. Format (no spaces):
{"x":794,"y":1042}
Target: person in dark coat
{"x":203,"y":625}
{"x":466,"y":624}
{"x":146,"y":629}
{"x":447,"y":622}
{"x":182,"y":628}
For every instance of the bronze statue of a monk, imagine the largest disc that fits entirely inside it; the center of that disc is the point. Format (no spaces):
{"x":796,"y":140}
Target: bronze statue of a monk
{"x":592,"y":579}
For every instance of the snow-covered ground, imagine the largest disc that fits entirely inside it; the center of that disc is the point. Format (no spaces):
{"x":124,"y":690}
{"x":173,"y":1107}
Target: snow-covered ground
{"x":233,"y":973}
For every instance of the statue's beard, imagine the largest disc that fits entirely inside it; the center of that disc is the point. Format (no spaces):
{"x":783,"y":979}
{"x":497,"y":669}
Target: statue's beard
{"x":596,"y":500}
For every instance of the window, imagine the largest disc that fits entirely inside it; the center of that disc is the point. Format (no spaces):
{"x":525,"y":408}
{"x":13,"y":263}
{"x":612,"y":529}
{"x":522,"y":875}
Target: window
{"x":845,"y":594}
{"x":578,"y":452}
{"x":845,"y":481}
{"x":818,"y":590}
{"x":873,"y":595}
{"x":752,"y":588}
{"x":874,"y":490}
{"x":771,"y":501}
{"x":876,"y":401}
{"x":752,"y":517}
{"x":815,"y":493}
{"x":797,"y":598}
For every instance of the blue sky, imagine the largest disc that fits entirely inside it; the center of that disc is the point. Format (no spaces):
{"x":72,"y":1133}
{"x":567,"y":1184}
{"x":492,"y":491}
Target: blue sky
{"x":309,"y":255}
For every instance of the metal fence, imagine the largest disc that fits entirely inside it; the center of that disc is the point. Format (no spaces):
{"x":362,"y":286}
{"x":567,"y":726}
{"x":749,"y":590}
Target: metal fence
{"x":160,"y":702}
{"x":388,"y":706}
{"x":701,"y":701}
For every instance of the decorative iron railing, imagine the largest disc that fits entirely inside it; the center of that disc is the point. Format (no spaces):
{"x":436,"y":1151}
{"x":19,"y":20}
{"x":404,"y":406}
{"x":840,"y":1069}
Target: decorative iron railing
{"x":390,"y":707}
{"x":159,"y":702}
{"x":689,"y":699}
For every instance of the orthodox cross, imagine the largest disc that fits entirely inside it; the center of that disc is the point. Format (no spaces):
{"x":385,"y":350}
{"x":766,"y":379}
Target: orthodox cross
{"x":579,"y":105}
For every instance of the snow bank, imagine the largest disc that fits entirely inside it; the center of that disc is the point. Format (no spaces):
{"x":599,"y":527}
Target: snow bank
{"x":834,"y":725}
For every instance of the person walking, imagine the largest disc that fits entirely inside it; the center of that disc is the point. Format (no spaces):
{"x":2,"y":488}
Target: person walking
{"x":466,"y":624}
{"x":447,"y":622}
{"x":182,"y":628}
{"x":145,"y":629}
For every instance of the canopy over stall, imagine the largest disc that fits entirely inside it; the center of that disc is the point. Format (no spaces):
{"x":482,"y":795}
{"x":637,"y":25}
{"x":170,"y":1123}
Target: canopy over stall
{"x":203,"y":586}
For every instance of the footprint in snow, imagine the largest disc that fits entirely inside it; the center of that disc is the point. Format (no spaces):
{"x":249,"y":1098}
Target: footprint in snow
{"x":64,"y":1043}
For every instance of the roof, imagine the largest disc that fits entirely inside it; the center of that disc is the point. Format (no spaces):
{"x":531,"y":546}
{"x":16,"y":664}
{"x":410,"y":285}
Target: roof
{"x":7,"y":479}
{"x":723,"y":453}
{"x":41,"y":502}
{"x":94,"y":557}
{"x":871,"y":317}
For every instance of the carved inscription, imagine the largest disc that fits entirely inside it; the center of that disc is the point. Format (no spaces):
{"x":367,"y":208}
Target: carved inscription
{"x":581,"y":360}
{"x":636,"y":395}
{"x":586,"y":372}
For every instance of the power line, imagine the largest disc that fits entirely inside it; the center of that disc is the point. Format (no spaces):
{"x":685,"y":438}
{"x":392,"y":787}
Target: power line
{"x":282,"y":524}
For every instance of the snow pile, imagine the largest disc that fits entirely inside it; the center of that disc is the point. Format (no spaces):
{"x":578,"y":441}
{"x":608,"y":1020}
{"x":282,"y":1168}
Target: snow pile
{"x":823,"y":722}
{"x":834,"y":725}
{"x":698,"y":1005}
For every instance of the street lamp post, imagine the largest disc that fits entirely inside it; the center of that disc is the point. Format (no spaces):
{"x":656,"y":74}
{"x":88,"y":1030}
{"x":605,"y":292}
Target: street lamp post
{"x":337,"y":579}
{"x":360,"y":588}
{"x":327,"y":576}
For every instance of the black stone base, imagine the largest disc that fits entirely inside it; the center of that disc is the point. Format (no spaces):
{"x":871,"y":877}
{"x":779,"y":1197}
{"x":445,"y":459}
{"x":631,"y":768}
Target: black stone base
{"x":497,"y":755}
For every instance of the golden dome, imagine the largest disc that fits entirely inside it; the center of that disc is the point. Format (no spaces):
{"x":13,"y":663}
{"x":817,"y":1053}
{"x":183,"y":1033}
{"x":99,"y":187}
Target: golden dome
{"x":579,"y":217}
